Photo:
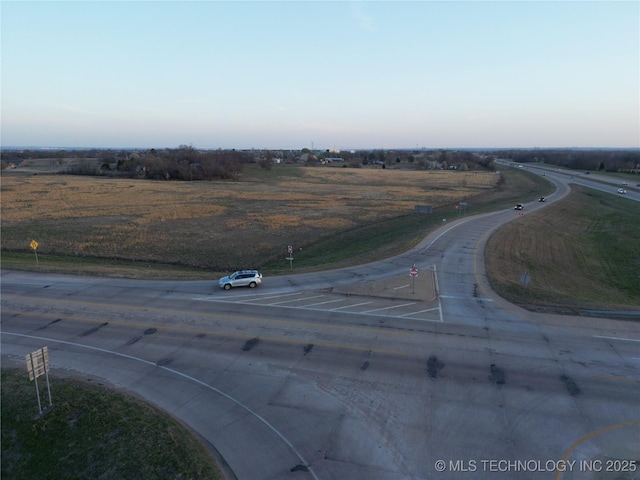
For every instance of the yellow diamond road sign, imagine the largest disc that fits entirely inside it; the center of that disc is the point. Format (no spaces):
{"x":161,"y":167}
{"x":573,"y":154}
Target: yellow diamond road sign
{"x":33,"y":244}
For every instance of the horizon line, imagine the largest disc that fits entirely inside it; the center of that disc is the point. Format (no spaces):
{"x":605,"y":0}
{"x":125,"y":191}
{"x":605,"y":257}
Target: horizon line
{"x":49,"y":147}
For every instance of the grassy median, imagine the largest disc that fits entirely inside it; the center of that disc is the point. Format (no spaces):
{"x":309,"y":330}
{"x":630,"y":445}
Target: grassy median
{"x":582,"y":253}
{"x":93,"y":432}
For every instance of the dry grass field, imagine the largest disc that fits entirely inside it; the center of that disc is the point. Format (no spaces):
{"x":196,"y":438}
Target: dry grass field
{"x":581,"y":253}
{"x":215,"y":226}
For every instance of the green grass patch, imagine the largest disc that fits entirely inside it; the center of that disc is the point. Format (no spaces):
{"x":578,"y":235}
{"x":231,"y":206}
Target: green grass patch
{"x":614,"y":236}
{"x":581,"y":253}
{"x":93,"y":433}
{"x":77,"y":265}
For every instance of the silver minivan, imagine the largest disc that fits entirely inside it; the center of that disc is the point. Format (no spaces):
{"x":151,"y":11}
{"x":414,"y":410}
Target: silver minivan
{"x":241,"y":278}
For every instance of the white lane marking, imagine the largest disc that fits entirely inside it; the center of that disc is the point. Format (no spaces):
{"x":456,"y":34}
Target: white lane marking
{"x":441,"y":234}
{"x":343,"y":308}
{"x":389,"y":308}
{"x":419,"y":311}
{"x":402,"y":286}
{"x":274,"y":296}
{"x":466,"y":297}
{"x":324,"y":303}
{"x":349,"y":306}
{"x":437,"y":285}
{"x":296,"y":300}
{"x":195,"y":380}
{"x":240,"y":298}
{"x":618,"y":338}
{"x":254,"y":293}
{"x":302,"y":307}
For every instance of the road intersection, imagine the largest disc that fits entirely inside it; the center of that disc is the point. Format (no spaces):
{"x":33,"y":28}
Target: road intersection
{"x":349,"y":373}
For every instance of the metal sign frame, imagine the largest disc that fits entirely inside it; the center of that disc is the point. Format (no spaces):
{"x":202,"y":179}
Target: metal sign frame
{"x":38,"y":365}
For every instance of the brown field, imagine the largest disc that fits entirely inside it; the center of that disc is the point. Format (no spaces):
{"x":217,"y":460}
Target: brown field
{"x":580,"y":253}
{"x":215,"y":225}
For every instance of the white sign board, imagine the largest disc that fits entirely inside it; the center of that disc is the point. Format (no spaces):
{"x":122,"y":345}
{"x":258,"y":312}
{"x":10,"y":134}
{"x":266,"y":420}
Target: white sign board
{"x":38,"y":363}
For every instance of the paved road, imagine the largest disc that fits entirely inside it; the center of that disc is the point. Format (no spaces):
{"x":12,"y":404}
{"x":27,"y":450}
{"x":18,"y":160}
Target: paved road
{"x":358,"y":373}
{"x":597,"y":181}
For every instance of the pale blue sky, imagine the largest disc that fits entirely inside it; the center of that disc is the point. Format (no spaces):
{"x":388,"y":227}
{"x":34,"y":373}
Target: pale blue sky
{"x":383,"y":74}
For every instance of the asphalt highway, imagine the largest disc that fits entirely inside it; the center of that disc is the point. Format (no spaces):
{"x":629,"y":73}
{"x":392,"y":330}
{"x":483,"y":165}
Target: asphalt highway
{"x":359,"y":373}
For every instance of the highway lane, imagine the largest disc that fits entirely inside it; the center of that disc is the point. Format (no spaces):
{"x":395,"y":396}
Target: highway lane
{"x":345,"y":389}
{"x":596,"y":181}
{"x":353,"y":401}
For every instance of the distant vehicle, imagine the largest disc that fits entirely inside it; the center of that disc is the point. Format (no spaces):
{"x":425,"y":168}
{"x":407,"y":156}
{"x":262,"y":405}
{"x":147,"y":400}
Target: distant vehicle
{"x":624,"y":184}
{"x":520,"y":166}
{"x":519,"y":207}
{"x":544,"y":174}
{"x":241,"y":278}
{"x":587,"y":173}
{"x":542,"y":199}
{"x":622,"y":190}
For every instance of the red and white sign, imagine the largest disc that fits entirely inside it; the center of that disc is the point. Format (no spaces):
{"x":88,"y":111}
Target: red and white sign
{"x":413,"y":272}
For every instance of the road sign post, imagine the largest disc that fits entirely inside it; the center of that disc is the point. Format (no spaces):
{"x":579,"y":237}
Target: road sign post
{"x":525,"y":278}
{"x":34,"y":247}
{"x":414,"y":273}
{"x":38,"y":365}
{"x":290,"y":257}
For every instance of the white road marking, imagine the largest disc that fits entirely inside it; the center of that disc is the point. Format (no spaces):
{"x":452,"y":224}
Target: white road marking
{"x":441,"y":234}
{"x":419,"y":311}
{"x":349,"y":306}
{"x":437,"y":286}
{"x":240,"y":298}
{"x":343,"y":308}
{"x":389,"y":308}
{"x":277,"y":296}
{"x":465,"y":297}
{"x":183,"y":375}
{"x":618,"y":338}
{"x":296,"y":300}
{"x":324,"y":303}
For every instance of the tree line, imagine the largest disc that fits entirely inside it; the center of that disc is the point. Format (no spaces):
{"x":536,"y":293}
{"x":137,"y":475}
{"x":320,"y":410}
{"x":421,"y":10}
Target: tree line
{"x":189,"y":163}
{"x":183,"y":163}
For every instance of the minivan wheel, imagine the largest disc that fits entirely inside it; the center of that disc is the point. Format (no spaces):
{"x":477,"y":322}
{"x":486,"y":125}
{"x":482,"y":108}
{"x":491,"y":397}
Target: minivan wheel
{"x":252,"y":285}
{"x":227,"y":287}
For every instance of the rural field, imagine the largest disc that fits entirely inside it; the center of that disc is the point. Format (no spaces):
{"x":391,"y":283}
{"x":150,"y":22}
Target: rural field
{"x":222,"y":225}
{"x":582,"y":253}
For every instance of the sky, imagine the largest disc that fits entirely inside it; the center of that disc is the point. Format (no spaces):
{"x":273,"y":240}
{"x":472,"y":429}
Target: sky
{"x":324,"y":75}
